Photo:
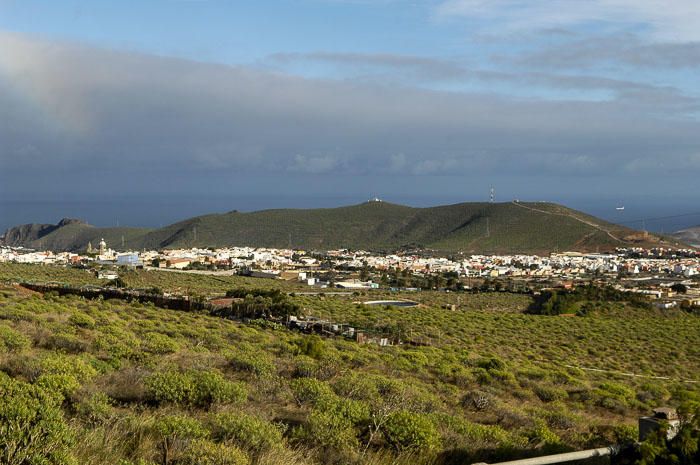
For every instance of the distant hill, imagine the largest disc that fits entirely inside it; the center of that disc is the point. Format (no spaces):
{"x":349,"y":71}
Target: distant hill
{"x":512,"y":227}
{"x":689,"y":236}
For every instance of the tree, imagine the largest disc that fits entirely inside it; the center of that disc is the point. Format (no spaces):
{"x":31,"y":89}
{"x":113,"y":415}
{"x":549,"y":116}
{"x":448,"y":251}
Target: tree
{"x":679,"y":288}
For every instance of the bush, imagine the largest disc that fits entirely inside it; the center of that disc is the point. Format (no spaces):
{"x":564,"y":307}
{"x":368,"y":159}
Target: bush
{"x":175,"y":432}
{"x":203,"y":452}
{"x":119,"y":344}
{"x":66,"y":342}
{"x":254,"y":362}
{"x":59,"y":364}
{"x":212,"y":388}
{"x":477,"y":400}
{"x":12,"y":341}
{"x":411,"y":431}
{"x":196,"y":388}
{"x":541,"y":434}
{"x":81,"y":320}
{"x":549,"y":393}
{"x":157,"y":343}
{"x":311,"y":391}
{"x":312,"y":346}
{"x":170,"y":387}
{"x":305,"y":367}
{"x":95,"y":409}
{"x":57,"y":384}
{"x":330,"y":430}
{"x":32,"y":429}
{"x":246,"y":431}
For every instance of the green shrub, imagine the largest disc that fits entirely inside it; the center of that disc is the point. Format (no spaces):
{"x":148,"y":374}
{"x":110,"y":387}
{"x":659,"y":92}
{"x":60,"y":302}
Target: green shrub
{"x":170,"y":387}
{"x":246,"y":431}
{"x":549,"y":393}
{"x":58,"y":384}
{"x":329,"y":430}
{"x":411,"y":360}
{"x":311,"y":391}
{"x":95,"y":409}
{"x":411,"y":431}
{"x":541,"y":435}
{"x":81,"y":320}
{"x":175,"y":432}
{"x":460,"y":431}
{"x":196,"y":388}
{"x":157,"y":343}
{"x":118,"y":343}
{"x":355,"y":411}
{"x":305,"y":367}
{"x":59,"y":364}
{"x":12,"y":340}
{"x":311,"y":346}
{"x":614,"y":396}
{"x":63,"y":341}
{"x":212,"y":388}
{"x":491,"y":363}
{"x":256,"y":362}
{"x":204,"y":452}
{"x":32,"y":429}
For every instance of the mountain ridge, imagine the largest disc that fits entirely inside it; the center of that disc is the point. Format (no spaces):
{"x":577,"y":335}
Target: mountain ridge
{"x":474,"y":227}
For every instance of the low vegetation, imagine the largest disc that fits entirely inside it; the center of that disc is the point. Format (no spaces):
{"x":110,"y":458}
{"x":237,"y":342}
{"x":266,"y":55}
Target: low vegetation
{"x":110,"y":381}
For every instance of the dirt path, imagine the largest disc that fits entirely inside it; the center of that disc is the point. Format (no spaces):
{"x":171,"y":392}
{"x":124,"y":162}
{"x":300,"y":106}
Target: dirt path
{"x":580,"y":220}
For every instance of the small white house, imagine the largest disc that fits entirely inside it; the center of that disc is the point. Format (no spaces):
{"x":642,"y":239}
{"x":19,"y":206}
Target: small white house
{"x":107,"y":274}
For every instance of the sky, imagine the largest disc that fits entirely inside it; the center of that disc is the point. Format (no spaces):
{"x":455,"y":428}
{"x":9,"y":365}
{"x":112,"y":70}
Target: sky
{"x":144,"y":112}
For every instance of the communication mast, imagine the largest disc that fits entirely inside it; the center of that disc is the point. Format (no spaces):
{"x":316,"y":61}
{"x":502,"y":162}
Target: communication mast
{"x":492,"y":196}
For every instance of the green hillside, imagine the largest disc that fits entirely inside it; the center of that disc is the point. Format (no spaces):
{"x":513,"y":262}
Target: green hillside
{"x":511,"y":227}
{"x":117,"y":382}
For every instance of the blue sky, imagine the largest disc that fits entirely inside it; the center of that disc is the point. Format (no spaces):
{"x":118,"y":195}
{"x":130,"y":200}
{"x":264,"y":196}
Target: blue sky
{"x":416,"y":101}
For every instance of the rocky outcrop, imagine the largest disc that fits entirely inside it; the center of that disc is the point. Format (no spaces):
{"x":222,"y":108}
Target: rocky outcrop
{"x":27,"y":233}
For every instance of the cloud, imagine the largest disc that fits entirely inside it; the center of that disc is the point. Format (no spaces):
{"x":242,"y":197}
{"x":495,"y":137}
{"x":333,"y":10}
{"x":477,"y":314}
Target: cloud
{"x":675,"y":20}
{"x":73,"y":113}
{"x":427,"y":72}
{"x":314,"y":164}
{"x":617,"y":49}
{"x":417,"y":66}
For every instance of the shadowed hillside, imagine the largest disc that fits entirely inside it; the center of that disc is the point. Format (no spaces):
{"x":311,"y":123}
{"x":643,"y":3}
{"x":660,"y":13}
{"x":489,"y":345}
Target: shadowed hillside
{"x":510,"y":227}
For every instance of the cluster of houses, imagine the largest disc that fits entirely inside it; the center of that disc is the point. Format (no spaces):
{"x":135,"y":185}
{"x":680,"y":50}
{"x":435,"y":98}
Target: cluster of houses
{"x":649,"y":271}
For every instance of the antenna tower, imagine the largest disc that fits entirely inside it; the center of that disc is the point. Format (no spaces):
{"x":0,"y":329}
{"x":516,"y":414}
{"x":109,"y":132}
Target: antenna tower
{"x":492,"y":196}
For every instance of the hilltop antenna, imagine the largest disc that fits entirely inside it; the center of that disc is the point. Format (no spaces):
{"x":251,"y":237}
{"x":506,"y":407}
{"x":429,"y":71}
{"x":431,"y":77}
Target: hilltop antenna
{"x":492,"y":196}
